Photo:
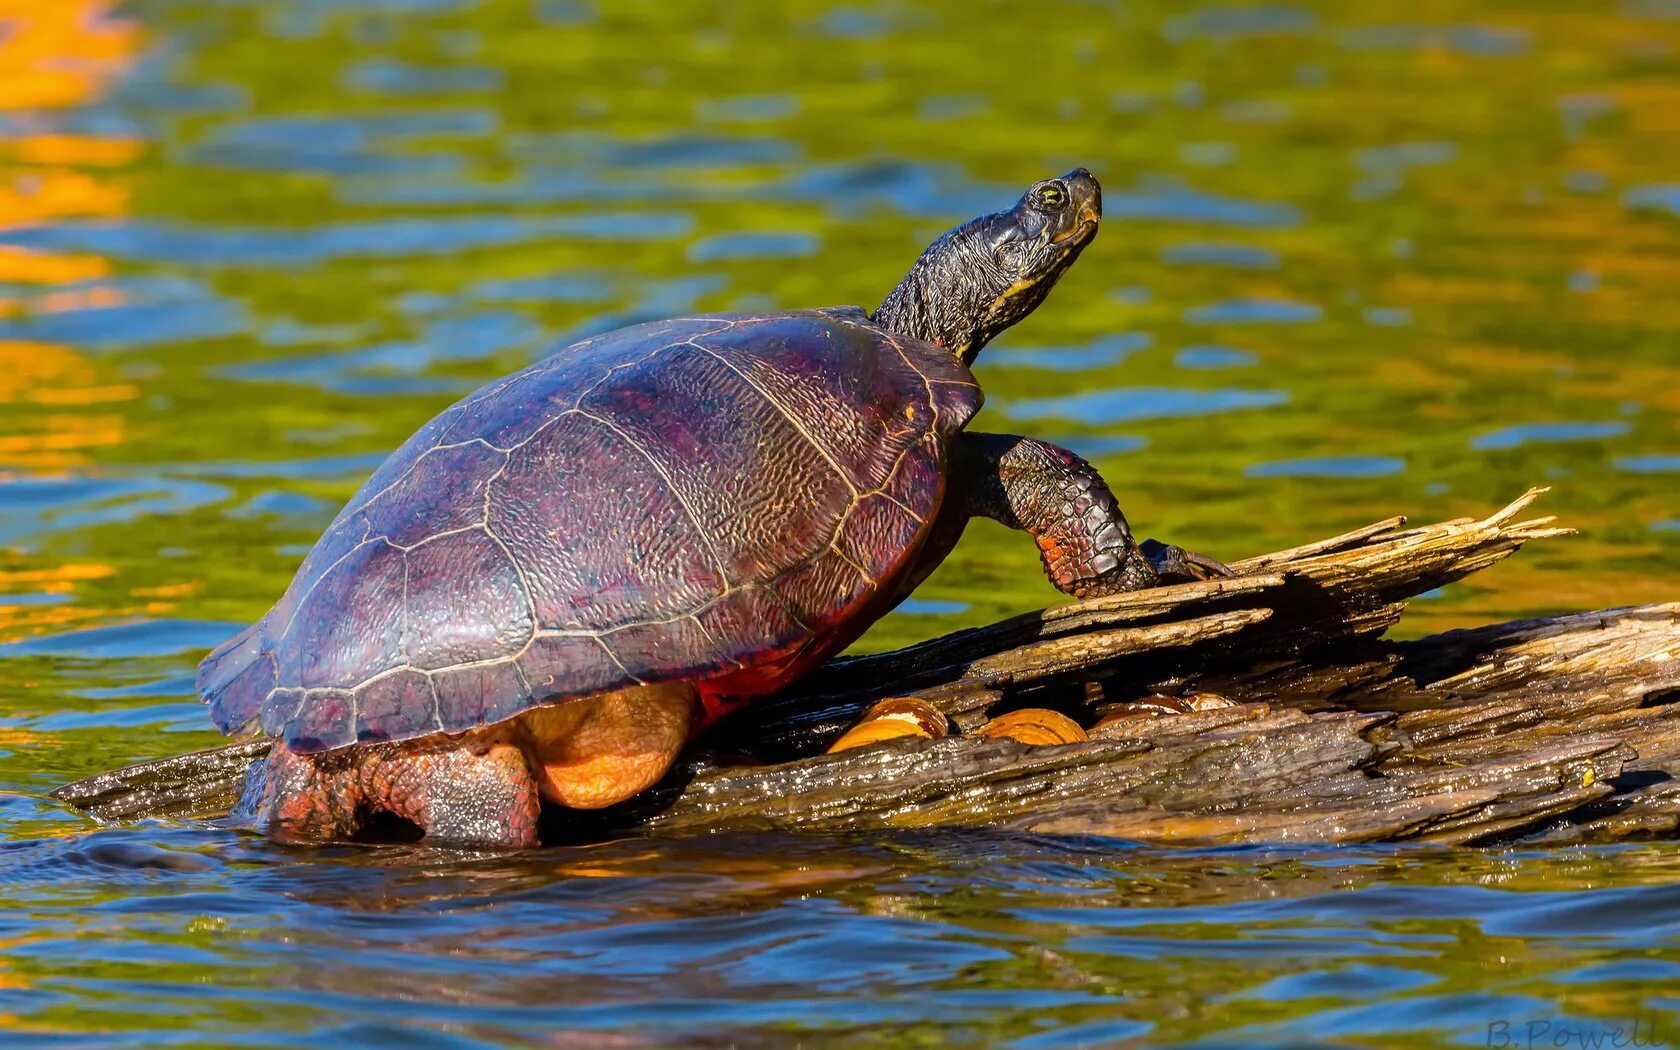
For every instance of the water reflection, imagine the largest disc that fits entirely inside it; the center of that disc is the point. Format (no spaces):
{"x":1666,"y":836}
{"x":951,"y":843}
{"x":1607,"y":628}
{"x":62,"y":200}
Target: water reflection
{"x":1012,"y":936}
{"x":1129,"y":404}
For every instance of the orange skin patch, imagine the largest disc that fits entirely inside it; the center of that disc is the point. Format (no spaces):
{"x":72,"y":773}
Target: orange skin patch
{"x":604,"y":749}
{"x":484,"y":787}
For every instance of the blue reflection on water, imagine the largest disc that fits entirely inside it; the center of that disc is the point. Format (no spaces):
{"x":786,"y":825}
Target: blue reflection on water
{"x":1101,"y":352}
{"x":1254,"y":311}
{"x":1649,"y":464}
{"x":763,"y":245}
{"x":1236,"y":256}
{"x":275,"y":248}
{"x":1328,"y":467}
{"x":932,"y":607}
{"x":128,"y":312}
{"x":37,"y":506}
{"x":1133,"y":403}
{"x":1521,"y":434}
{"x":141,"y":638}
{"x":1213,"y":357}
{"x":1663,"y":197}
{"x":365,"y":371}
{"x":392,"y":77}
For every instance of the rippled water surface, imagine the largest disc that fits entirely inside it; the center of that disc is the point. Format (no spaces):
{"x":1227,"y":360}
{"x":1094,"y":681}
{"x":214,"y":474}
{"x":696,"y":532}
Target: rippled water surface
{"x":1357,"y":259}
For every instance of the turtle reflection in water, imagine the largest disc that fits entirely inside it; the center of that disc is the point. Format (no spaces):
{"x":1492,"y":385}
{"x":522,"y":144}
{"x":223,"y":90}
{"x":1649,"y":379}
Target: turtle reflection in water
{"x":561,"y":579}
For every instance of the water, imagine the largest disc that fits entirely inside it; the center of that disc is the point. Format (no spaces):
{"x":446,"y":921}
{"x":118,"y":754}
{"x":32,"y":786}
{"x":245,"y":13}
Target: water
{"x":1358,"y":259}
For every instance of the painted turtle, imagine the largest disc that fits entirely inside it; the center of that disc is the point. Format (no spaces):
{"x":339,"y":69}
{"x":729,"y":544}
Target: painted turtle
{"x":559,"y":580}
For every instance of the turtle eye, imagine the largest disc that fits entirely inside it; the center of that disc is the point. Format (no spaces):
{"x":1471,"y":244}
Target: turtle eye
{"x":1050,"y":196}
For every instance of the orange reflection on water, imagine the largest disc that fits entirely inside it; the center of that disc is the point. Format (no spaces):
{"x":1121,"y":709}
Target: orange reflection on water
{"x":33,"y":618}
{"x":22,"y":266}
{"x":57,"y":54}
{"x":49,"y":379}
{"x":17,"y":621}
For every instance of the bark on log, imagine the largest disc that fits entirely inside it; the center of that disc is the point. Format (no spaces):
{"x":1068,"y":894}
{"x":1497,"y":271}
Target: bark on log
{"x":1561,"y":730}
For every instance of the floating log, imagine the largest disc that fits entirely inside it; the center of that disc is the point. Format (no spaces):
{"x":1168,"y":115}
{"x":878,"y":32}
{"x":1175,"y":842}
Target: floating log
{"x":1557,"y":730}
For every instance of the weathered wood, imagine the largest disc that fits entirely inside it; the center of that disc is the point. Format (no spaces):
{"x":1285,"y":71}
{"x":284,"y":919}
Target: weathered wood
{"x":1565,"y":729}
{"x":196,"y":784}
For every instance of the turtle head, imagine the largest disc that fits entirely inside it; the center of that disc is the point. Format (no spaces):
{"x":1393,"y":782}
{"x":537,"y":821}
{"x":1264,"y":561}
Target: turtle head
{"x":980,"y":278}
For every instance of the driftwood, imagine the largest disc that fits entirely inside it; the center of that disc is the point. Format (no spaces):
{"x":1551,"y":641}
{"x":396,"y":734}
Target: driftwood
{"x":1558,"y":730}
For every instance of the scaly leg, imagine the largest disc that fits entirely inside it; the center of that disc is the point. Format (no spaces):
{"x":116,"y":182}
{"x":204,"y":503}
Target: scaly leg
{"x":1064,"y":503}
{"x":308,"y":798}
{"x":484,"y":788}
{"x":473,"y":790}
{"x":1082,"y":536}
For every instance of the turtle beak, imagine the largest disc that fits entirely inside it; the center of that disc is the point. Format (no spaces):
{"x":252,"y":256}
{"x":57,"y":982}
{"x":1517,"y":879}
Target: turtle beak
{"x":1087,"y":205}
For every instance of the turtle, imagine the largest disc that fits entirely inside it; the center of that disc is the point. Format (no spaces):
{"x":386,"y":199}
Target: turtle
{"x":564,"y":577}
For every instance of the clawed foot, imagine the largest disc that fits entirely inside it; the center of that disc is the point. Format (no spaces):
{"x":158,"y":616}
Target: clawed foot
{"x":1173,"y":563}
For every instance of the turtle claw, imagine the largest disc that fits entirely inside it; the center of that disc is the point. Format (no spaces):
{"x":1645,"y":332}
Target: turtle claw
{"x":1174,"y":563}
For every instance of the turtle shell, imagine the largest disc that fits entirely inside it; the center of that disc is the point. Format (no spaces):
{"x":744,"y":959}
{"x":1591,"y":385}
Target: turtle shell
{"x":714,"y":499}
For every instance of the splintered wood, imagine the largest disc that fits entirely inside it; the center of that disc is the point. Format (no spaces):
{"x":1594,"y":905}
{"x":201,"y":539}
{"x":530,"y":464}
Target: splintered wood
{"x":1558,"y":730}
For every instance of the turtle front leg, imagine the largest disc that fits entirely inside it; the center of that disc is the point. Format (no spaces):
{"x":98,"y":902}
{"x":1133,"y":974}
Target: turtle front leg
{"x":1082,"y":536}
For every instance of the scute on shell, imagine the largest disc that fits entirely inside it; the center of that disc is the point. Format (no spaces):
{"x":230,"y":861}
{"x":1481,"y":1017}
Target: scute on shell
{"x":676,"y":500}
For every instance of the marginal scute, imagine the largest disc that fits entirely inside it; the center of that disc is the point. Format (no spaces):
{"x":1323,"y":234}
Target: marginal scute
{"x":230,"y":659}
{"x":655,"y":503}
{"x":395,"y":706}
{"x":325,"y":720}
{"x":810,"y":589}
{"x":480,"y":694}
{"x":752,"y":620}
{"x":955,"y":402}
{"x":917,"y":474}
{"x":244,"y":690}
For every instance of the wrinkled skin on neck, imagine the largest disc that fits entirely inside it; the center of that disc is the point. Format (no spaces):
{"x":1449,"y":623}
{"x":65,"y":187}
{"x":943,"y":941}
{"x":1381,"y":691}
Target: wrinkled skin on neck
{"x":985,"y":275}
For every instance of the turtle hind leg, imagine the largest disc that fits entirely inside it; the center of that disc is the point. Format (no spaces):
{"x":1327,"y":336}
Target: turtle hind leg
{"x":484,"y":788}
{"x":471,"y":791}
{"x":308,"y":798}
{"x":598,"y":750}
